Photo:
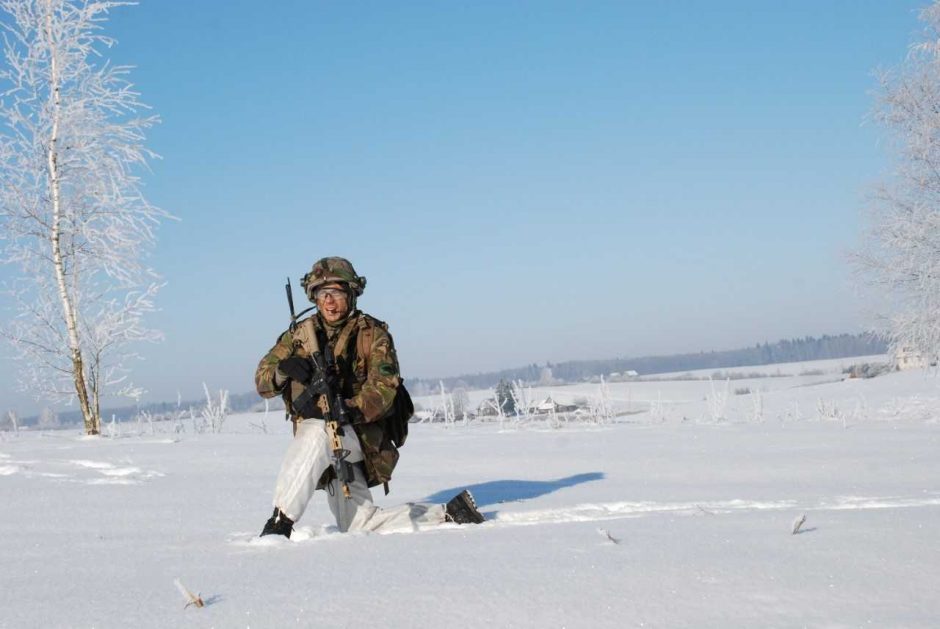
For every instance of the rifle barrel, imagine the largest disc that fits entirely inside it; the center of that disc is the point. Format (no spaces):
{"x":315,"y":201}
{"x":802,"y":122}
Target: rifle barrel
{"x":290,"y":300}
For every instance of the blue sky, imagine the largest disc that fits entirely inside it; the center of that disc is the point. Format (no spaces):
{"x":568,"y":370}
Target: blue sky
{"x":520,"y":181}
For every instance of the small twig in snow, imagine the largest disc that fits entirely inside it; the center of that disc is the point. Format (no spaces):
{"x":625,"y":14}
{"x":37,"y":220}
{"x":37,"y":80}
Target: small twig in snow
{"x":607,"y":534}
{"x":192,"y":599}
{"x":797,"y":523}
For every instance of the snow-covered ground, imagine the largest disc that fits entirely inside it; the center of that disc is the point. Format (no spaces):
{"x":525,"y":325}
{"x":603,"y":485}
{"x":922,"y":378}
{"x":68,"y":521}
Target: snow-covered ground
{"x":664,"y":518}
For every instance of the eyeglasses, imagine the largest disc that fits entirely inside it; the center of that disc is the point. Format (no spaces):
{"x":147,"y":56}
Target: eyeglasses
{"x":336,"y":294}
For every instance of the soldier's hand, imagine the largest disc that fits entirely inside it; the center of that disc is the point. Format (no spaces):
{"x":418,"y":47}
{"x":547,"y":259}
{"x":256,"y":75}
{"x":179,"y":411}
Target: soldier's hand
{"x":296,"y":368}
{"x":318,"y":383}
{"x":309,"y":409}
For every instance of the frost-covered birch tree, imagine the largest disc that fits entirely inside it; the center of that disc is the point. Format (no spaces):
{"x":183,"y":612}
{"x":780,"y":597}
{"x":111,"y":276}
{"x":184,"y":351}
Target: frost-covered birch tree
{"x":902,"y":252}
{"x":74,"y":220}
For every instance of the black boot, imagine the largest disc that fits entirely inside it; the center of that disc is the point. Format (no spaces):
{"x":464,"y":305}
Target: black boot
{"x":463,"y":510}
{"x":278,"y":524}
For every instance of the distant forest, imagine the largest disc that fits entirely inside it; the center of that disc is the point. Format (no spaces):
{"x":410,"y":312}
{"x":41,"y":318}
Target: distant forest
{"x":794,"y":350}
{"x":786,"y":351}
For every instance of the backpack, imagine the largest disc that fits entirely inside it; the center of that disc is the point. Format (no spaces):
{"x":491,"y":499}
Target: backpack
{"x":395,"y":423}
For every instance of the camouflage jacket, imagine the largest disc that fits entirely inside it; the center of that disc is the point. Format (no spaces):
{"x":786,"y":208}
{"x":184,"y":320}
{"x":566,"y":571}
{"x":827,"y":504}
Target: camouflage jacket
{"x":369,"y":378}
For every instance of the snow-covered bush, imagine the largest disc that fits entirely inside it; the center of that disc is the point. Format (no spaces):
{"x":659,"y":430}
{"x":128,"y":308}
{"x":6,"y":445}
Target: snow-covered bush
{"x":214,"y":413}
{"x":867,"y":370}
{"x":717,"y":401}
{"x":522,"y":400}
{"x":263,"y":424}
{"x":757,"y":406}
{"x":10,"y":422}
{"x":829,"y":411}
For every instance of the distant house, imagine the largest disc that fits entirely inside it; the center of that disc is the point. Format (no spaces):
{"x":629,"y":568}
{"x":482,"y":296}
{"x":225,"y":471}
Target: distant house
{"x":909,"y":358}
{"x":548,"y":405}
{"x":423,"y":415}
{"x":620,"y":376}
{"x":487,"y":408}
{"x":434,"y":415}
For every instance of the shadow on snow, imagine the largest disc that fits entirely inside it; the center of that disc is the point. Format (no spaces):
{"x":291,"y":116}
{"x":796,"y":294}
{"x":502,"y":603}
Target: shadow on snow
{"x":497,"y":491}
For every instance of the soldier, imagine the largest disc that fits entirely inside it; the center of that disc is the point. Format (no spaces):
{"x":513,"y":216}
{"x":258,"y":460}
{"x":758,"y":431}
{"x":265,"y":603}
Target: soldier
{"x":364,"y":370}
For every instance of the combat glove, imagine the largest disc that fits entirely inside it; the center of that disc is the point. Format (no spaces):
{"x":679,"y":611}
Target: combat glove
{"x":315,"y":387}
{"x":296,"y":368}
{"x":308,"y":410}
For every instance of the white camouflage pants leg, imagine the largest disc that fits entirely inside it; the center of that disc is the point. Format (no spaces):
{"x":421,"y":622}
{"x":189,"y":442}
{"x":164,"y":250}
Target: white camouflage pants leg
{"x":308,"y":456}
{"x":357,"y":513}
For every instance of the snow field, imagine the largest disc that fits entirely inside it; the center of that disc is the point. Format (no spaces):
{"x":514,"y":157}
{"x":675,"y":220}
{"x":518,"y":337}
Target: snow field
{"x":635,"y":523}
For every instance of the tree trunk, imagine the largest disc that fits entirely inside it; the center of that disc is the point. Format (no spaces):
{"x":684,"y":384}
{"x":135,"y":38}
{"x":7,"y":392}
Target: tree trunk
{"x":68,"y":310}
{"x":96,"y":392}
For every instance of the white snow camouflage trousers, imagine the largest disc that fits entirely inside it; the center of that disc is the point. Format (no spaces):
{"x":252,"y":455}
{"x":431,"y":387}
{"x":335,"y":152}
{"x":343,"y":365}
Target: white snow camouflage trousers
{"x":309,"y":455}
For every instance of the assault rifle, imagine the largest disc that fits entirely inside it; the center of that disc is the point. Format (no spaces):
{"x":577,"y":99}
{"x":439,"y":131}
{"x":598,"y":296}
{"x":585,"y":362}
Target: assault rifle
{"x":323,"y":363}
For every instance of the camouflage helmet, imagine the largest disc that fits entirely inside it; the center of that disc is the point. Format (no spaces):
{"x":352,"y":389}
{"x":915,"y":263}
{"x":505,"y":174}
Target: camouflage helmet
{"x":333,"y":269}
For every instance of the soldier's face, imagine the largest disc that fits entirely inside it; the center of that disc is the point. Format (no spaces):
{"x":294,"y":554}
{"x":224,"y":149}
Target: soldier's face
{"x":332,"y":302}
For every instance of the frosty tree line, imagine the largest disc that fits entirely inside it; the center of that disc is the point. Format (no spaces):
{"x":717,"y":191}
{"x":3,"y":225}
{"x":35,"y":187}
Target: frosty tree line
{"x":74,"y":219}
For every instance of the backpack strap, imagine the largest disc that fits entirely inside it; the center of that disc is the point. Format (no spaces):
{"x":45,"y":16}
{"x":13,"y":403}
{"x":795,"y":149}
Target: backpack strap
{"x":343,"y":339}
{"x":365,"y":338}
{"x":307,"y":330}
{"x":367,"y":325}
